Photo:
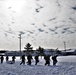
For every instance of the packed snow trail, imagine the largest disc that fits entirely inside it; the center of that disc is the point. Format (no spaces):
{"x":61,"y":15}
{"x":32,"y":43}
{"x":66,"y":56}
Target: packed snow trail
{"x":62,"y":68}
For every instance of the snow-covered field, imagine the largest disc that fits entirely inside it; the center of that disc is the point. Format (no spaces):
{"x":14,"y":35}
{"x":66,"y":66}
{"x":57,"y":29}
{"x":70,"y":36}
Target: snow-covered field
{"x":65,"y":66}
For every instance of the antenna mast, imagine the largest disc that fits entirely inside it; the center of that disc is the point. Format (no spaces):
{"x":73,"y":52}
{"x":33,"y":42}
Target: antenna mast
{"x":65,"y":45}
{"x":20,"y":41}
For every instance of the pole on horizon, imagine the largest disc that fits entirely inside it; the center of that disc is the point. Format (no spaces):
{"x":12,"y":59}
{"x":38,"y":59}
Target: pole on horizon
{"x":65,"y":45}
{"x":20,"y":41}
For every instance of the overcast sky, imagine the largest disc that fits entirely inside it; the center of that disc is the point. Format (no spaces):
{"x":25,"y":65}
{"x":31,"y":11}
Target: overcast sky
{"x":45,"y":23}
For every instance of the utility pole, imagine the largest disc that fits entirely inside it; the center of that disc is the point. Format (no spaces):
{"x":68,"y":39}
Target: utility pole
{"x":65,"y":45}
{"x":20,"y":41}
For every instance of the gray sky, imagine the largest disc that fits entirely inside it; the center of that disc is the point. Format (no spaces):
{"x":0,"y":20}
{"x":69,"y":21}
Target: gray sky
{"x":46,"y":23}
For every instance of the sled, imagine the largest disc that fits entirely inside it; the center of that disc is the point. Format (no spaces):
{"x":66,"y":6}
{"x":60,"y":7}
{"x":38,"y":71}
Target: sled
{"x":10,"y":62}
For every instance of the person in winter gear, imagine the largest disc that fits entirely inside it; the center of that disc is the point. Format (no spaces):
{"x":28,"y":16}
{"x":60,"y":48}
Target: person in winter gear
{"x":54,"y":58}
{"x":13,"y":59}
{"x":36,"y":59}
{"x":7,"y":58}
{"x":2,"y":58}
{"x":29,"y":57}
{"x":47,"y":60}
{"x":23,"y":60}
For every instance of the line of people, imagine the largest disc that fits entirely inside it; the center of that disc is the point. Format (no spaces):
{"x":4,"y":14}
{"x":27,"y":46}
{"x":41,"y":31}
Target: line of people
{"x":46,"y":58}
{"x":29,"y":58}
{"x":7,"y":59}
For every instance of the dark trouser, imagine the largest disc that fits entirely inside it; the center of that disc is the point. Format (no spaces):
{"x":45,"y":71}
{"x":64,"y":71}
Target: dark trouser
{"x":22,"y":62}
{"x":36,"y":62}
{"x":1,"y":61}
{"x":47,"y":62}
{"x":29,"y":62}
{"x":6,"y":60}
{"x":13,"y":60}
{"x":54,"y":62}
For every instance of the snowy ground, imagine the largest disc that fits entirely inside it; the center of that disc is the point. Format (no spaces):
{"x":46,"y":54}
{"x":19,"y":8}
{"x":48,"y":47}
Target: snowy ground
{"x":65,"y":66}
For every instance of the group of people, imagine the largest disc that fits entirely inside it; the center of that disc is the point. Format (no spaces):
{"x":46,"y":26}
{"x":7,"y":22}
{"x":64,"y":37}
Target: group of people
{"x":29,"y":58}
{"x":7,"y":59}
{"x":46,"y":58}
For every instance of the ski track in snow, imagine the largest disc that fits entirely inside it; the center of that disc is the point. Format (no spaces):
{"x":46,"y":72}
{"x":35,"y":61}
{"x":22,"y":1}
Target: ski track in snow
{"x":62,"y":68}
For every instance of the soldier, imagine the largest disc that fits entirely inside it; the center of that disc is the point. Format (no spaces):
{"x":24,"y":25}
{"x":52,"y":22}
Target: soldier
{"x":23,"y":59}
{"x":2,"y":58}
{"x":29,"y":57}
{"x":47,"y":59}
{"x":54,"y":58}
{"x":7,"y":58}
{"x":36,"y":59}
{"x":13,"y":59}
